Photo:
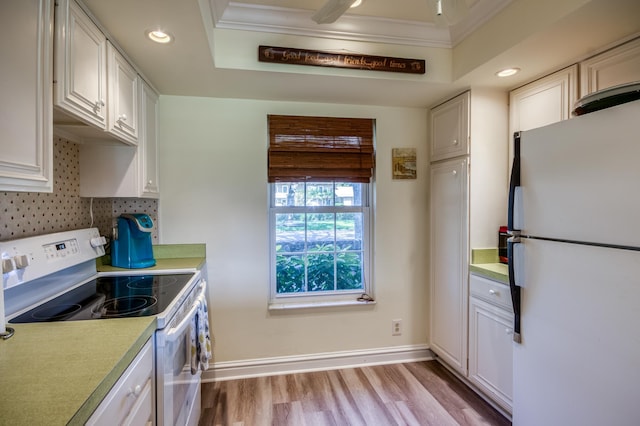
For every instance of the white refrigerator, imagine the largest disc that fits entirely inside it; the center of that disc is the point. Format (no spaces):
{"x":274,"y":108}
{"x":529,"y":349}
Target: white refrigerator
{"x":575,"y":271}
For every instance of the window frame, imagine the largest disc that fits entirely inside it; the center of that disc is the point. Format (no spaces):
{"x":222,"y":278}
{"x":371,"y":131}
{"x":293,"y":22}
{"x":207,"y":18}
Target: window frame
{"x":319,"y":299}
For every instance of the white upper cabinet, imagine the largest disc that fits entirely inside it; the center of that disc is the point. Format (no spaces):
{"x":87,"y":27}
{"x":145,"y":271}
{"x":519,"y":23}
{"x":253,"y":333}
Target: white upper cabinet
{"x":543,"y":101}
{"x":81,"y":65}
{"x":450,"y":128}
{"x":95,"y":87}
{"x":123,"y":97}
{"x":116,"y":170}
{"x":26,"y":147}
{"x":611,"y":68}
{"x":149,"y":142}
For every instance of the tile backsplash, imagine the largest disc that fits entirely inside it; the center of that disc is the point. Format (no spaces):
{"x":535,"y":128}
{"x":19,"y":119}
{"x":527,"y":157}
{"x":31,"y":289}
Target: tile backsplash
{"x":24,"y":214}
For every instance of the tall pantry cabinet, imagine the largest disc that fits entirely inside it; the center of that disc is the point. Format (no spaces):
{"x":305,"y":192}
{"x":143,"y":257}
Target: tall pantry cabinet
{"x":468,"y":198}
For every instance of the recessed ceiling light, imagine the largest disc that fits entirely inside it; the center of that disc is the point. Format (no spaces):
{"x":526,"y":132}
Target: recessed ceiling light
{"x":507,"y":72}
{"x":356,"y":3}
{"x":159,"y":36}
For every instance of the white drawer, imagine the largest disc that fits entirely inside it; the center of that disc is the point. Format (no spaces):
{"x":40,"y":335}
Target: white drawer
{"x":491,"y":291}
{"x":135,"y":383}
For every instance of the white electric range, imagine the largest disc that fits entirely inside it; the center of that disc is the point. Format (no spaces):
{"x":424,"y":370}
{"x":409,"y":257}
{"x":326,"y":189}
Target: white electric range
{"x":53,"y":277}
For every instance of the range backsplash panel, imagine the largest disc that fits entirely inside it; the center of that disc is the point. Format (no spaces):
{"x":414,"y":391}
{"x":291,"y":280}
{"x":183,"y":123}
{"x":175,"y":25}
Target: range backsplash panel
{"x":24,"y":214}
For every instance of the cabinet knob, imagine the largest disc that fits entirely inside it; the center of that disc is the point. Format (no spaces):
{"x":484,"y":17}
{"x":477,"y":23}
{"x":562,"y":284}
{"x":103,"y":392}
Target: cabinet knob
{"x":492,"y":291}
{"x":508,"y":331}
{"x":123,"y":117}
{"x":150,"y":182}
{"x":454,"y":173}
{"x":135,"y":392}
{"x":455,"y":142}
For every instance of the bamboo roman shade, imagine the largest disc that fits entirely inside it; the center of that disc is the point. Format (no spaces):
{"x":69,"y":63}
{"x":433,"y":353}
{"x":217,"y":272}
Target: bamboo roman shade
{"x":320,"y":149}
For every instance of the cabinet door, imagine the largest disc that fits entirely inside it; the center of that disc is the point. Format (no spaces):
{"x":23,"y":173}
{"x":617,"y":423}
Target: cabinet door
{"x":450,"y":128}
{"x":616,"y":66}
{"x":81,"y":67}
{"x":123,"y":97}
{"x":490,"y":351}
{"x":543,"y":101}
{"x":118,"y":170}
{"x":26,"y":162}
{"x":148,"y":150}
{"x":449,"y":261}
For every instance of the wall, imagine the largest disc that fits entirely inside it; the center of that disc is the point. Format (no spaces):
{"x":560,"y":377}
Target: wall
{"x":489,"y":183}
{"x":213,"y":165}
{"x":24,"y":214}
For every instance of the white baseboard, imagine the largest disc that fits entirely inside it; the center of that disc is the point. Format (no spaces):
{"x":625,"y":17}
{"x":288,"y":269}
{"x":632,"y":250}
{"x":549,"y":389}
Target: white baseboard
{"x":231,"y":370}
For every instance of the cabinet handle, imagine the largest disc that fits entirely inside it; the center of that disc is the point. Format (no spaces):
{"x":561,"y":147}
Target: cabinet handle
{"x":135,"y":392}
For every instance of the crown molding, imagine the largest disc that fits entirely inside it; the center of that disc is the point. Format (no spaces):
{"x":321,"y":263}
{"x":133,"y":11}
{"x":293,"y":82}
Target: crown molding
{"x":252,"y":17}
{"x":270,"y":19}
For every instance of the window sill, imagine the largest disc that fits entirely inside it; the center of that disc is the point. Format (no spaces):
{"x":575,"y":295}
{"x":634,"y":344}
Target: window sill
{"x":313,"y":305}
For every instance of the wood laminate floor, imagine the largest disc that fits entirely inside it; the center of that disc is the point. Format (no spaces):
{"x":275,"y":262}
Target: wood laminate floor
{"x":419,"y":393}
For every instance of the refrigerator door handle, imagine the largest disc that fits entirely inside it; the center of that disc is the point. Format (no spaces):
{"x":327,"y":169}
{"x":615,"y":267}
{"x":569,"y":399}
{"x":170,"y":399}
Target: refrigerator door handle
{"x":514,"y":186}
{"x":515,"y":289}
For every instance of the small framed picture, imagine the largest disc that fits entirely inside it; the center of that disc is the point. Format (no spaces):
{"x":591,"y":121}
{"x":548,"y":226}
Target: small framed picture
{"x":404,"y":163}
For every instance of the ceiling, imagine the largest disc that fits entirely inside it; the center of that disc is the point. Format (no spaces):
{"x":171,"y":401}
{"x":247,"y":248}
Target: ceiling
{"x":215,"y":49}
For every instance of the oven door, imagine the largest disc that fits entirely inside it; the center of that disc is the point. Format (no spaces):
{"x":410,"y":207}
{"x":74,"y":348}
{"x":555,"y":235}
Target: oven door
{"x":178,"y":390}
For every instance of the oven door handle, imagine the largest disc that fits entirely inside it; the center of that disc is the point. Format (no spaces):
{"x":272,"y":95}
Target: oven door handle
{"x":176,"y":332}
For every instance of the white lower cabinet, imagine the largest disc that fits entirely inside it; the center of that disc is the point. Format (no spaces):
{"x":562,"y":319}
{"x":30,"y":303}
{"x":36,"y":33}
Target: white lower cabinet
{"x":131,"y":400}
{"x":490,"y":340}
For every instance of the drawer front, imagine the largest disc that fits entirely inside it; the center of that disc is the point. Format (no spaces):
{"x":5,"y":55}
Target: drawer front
{"x":491,"y":291}
{"x":131,"y":386}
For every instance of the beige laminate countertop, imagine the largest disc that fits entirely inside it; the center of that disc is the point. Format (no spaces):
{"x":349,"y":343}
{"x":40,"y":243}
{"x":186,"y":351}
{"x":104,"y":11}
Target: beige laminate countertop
{"x":58,"y":373}
{"x":168,"y":256}
{"x":185,"y":263}
{"x":494,"y":271}
{"x":484,"y":262}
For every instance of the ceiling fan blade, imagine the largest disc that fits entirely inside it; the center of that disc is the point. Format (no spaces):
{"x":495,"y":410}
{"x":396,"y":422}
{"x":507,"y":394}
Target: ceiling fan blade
{"x":331,"y":11}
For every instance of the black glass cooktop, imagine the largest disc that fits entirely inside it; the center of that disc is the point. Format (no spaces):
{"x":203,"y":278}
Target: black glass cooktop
{"x":110,"y":297}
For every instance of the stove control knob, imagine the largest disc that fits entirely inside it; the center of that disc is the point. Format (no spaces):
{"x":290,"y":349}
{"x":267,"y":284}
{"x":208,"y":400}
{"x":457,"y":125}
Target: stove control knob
{"x":21,"y":260}
{"x":98,"y":241}
{"x":7,"y":265}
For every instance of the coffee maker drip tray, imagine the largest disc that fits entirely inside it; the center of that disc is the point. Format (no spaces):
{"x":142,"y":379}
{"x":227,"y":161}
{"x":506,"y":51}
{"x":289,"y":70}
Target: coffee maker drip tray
{"x":110,"y":297}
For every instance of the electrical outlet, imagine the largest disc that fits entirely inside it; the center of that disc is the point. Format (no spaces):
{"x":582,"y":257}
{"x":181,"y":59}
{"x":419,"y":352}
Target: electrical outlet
{"x":396,"y":327}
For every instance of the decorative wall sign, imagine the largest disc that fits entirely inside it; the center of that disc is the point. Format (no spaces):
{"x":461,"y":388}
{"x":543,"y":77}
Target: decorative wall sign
{"x":286,"y":55}
{"x":404,"y":163}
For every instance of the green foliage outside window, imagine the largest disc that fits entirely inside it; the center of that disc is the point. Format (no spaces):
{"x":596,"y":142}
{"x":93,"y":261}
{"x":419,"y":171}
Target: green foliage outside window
{"x":321,"y":273}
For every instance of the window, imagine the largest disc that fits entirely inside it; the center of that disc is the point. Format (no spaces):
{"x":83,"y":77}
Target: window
{"x":319,"y":208}
{"x":319,"y":235}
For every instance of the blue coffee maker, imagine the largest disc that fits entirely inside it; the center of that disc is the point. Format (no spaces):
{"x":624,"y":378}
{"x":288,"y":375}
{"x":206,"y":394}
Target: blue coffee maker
{"x":131,"y":245}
